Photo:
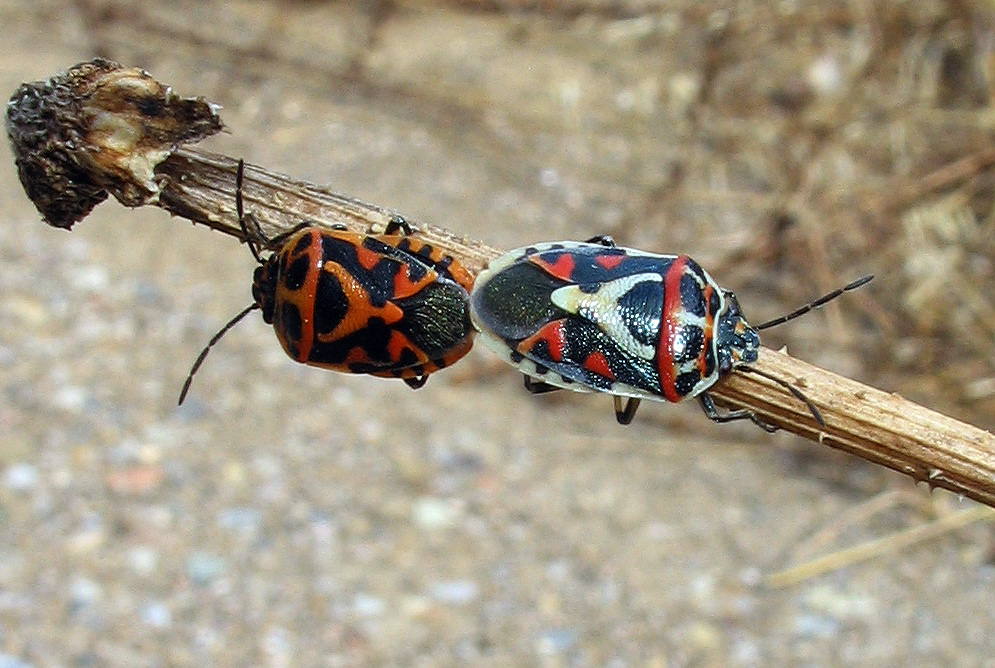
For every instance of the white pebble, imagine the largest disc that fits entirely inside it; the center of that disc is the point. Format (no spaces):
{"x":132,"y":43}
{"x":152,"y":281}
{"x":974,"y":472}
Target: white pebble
{"x":21,"y":477}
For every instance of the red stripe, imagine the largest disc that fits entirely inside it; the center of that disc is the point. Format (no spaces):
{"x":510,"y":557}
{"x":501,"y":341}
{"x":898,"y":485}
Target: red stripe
{"x":668,"y":328}
{"x":562,"y":269}
{"x":597,"y":363}
{"x":552,"y":333}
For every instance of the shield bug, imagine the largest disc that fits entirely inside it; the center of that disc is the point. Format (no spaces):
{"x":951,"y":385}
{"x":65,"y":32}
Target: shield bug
{"x":595,"y":317}
{"x":386,"y":304}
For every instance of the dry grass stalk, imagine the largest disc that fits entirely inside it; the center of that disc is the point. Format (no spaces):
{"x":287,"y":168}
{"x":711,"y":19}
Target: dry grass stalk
{"x":133,"y":155}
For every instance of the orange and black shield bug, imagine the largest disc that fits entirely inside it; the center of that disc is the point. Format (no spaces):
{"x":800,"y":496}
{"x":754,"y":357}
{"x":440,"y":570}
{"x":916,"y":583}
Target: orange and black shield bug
{"x":596,"y":317}
{"x":385,"y":304}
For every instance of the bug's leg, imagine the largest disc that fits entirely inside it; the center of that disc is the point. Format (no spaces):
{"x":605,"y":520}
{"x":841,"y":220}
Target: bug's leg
{"x":603,"y":239}
{"x":766,"y":426}
{"x":396,"y":223}
{"x":625,"y":415}
{"x":708,"y":405}
{"x":278,"y":240}
{"x":260,"y":238}
{"x":537,"y":386}
{"x":416,"y":382}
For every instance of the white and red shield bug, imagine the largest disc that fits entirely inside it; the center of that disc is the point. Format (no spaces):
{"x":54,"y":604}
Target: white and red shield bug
{"x":596,"y":317}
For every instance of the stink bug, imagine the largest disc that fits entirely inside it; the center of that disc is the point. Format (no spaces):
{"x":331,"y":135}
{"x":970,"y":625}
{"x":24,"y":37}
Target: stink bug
{"x":596,"y":317}
{"x":382,"y":304}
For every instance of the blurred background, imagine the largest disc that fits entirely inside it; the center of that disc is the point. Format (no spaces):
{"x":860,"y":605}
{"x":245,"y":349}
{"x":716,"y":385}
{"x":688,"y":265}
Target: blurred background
{"x":291,"y":516}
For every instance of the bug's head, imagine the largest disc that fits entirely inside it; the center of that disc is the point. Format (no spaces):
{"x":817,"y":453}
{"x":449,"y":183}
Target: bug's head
{"x":736,"y":341}
{"x":264,"y":287}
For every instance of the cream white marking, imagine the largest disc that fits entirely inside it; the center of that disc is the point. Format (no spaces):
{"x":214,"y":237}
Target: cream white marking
{"x":602,"y":309}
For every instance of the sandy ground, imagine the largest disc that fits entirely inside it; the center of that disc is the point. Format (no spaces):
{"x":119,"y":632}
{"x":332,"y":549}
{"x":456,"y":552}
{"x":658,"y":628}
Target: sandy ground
{"x":290,"y":516}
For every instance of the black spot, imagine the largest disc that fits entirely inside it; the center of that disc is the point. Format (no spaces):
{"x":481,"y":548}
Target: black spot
{"x":373,"y":339}
{"x":590,"y":288}
{"x":302,"y":244}
{"x":515,"y":356}
{"x":407,"y":358}
{"x":692,"y":298}
{"x":295,"y":275}
{"x":640,"y":309}
{"x":692,"y":338}
{"x":330,"y":304}
{"x":402,"y":260}
{"x":709,"y":361}
{"x":416,"y":270}
{"x":539,"y":351}
{"x":290,"y":323}
{"x":713,"y":303}
{"x":426,"y":251}
{"x":686,"y":381}
{"x":696,"y":269}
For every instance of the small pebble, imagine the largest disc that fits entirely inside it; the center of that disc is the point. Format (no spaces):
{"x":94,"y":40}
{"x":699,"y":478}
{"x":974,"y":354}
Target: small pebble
{"x":137,"y":480}
{"x":454,"y":592}
{"x":70,"y":398}
{"x":432,"y":513}
{"x":556,"y":641}
{"x":416,"y":606}
{"x":367,"y":605}
{"x":157,"y":615}
{"x":89,"y":536}
{"x":91,"y":278}
{"x":11,"y":661}
{"x":143,"y":560}
{"x":813,"y":625}
{"x":243,"y":519}
{"x":21,"y":477}
{"x":277,"y":644}
{"x":84,"y":592}
{"x":204,"y":567}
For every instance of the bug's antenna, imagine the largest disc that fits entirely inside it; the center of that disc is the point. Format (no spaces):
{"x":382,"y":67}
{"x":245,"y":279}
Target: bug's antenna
{"x":815,"y":304}
{"x":791,"y":388}
{"x":239,"y":209}
{"x":203,"y":353}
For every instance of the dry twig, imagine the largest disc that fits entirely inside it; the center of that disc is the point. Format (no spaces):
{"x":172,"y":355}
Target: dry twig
{"x":101,"y":129}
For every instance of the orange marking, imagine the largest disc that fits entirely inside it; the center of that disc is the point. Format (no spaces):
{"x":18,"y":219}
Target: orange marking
{"x":356,"y":356}
{"x":306,"y":295}
{"x":405,"y":287}
{"x":397,"y":344}
{"x":367,"y":258}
